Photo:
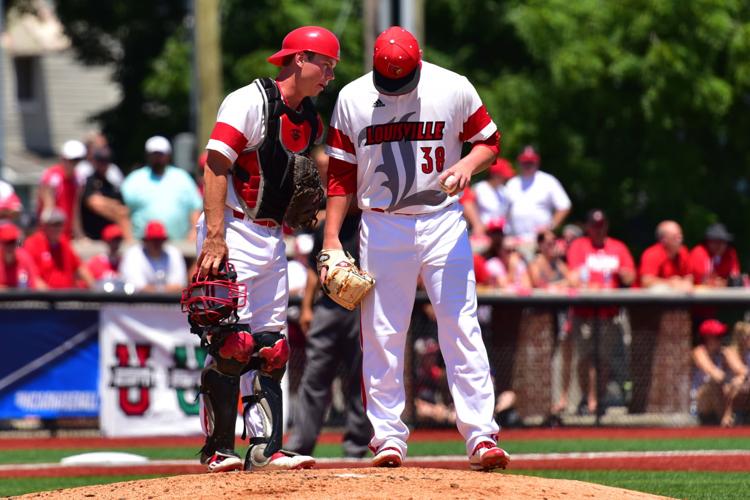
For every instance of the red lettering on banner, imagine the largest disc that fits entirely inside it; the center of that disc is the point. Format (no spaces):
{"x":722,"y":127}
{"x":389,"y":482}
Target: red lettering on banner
{"x":132,"y":375}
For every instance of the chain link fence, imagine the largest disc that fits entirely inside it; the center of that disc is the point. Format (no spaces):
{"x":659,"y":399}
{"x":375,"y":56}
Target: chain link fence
{"x":614,"y":359}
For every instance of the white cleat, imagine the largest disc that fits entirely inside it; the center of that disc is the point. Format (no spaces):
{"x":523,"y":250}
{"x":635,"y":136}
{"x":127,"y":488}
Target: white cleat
{"x":284,"y":461}
{"x":281,"y":460}
{"x":487,"y":456}
{"x":387,"y":457}
{"x":223,"y":461}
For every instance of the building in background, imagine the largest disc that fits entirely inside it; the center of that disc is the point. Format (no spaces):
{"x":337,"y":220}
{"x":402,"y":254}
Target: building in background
{"x":48,"y":96}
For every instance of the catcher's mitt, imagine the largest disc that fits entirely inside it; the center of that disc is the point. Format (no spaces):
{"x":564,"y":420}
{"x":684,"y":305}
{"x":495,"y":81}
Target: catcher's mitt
{"x":345,"y":283}
{"x":307,"y":195}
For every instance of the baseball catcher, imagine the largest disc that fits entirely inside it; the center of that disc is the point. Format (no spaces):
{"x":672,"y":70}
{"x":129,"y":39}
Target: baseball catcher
{"x":257,"y":178}
{"x":211,"y":305}
{"x":344,"y":282}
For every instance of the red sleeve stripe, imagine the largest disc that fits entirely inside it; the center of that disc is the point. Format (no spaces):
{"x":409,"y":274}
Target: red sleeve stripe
{"x":339,"y":140}
{"x":493,"y":143}
{"x":223,"y":132}
{"x":342,"y":177}
{"x":475,"y":124}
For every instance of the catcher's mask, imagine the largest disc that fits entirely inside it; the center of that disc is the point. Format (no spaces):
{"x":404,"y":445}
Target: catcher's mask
{"x":214,"y":300}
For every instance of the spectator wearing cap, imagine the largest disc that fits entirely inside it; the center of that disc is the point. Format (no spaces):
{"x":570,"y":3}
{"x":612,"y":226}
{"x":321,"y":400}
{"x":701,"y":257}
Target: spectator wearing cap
{"x":101,"y":200}
{"x":713,"y":261}
{"x":160,"y":191}
{"x":85,"y":167}
{"x":59,"y":265}
{"x":17,"y":268}
{"x":597,"y":261}
{"x":492,"y":201}
{"x":667,"y":262}
{"x":58,"y":187}
{"x":537,"y":202}
{"x":154,"y":265}
{"x":105,"y":266}
{"x":711,"y":390}
{"x":10,"y":203}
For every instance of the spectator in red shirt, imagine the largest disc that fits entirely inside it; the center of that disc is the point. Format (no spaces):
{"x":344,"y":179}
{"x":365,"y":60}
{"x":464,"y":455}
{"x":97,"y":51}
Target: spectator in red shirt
{"x":17,"y":268}
{"x":597,"y":261}
{"x":59,"y":186}
{"x":667,"y":262}
{"x":713,"y":262}
{"x":104,"y":266}
{"x":59,"y":265}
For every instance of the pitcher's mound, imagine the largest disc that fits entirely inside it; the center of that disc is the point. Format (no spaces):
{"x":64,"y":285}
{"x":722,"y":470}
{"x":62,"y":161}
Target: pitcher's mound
{"x":355,"y":483}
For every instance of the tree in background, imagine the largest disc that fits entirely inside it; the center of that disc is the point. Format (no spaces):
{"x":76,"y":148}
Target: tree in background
{"x":639,"y":106}
{"x":151,"y":49}
{"x":131,"y":36}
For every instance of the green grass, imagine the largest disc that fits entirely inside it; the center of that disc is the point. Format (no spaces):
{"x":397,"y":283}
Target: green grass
{"x":419,"y":448}
{"x":21,"y":486}
{"x":692,"y":485}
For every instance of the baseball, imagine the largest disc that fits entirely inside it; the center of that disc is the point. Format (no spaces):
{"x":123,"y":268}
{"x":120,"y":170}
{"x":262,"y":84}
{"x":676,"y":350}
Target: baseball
{"x":449,"y":183}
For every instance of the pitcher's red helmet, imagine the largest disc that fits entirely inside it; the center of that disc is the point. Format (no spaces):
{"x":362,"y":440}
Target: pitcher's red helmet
{"x":307,"y":38}
{"x":212,"y":301}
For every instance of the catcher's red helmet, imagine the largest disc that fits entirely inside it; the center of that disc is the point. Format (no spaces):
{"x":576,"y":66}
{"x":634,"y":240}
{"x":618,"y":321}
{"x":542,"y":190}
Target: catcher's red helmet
{"x":312,"y":38}
{"x":211,"y":301}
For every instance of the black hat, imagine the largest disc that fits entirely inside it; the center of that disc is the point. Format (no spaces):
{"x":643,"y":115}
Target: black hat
{"x":718,"y":232}
{"x":102,"y":154}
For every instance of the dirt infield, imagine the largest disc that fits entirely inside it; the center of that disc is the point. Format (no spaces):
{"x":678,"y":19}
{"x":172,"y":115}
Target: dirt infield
{"x":422,"y":483}
{"x":719,"y":461}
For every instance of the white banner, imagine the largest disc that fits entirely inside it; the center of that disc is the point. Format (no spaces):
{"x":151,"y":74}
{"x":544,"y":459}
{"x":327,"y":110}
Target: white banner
{"x":150,"y":367}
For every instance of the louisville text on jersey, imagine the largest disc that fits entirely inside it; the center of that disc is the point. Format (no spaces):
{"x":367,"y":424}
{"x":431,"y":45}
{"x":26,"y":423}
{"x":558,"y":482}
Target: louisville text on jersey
{"x":404,"y":131}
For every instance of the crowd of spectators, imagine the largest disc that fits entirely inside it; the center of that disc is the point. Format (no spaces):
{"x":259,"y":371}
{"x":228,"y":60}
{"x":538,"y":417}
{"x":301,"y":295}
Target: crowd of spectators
{"x":85,"y":197}
{"x":516,"y":219}
{"x":517,"y":227}
{"x":517,"y":230}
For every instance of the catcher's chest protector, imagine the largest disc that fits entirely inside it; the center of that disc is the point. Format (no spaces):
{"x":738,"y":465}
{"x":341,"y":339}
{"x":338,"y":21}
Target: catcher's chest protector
{"x":260,"y":176}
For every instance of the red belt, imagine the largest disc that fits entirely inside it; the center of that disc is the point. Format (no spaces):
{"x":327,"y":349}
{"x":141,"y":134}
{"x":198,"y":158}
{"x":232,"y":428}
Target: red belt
{"x":262,"y":222}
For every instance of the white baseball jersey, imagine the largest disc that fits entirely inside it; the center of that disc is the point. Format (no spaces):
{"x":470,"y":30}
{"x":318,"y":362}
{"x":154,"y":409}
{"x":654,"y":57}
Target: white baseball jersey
{"x":533,"y":201}
{"x":492,"y":201}
{"x":241,"y":128}
{"x":402,"y":143}
{"x":390,"y":150}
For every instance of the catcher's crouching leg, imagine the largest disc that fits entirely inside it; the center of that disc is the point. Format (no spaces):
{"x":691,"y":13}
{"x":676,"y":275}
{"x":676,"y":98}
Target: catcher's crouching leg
{"x":220,"y":393}
{"x":220,"y":386}
{"x":265,"y":450}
